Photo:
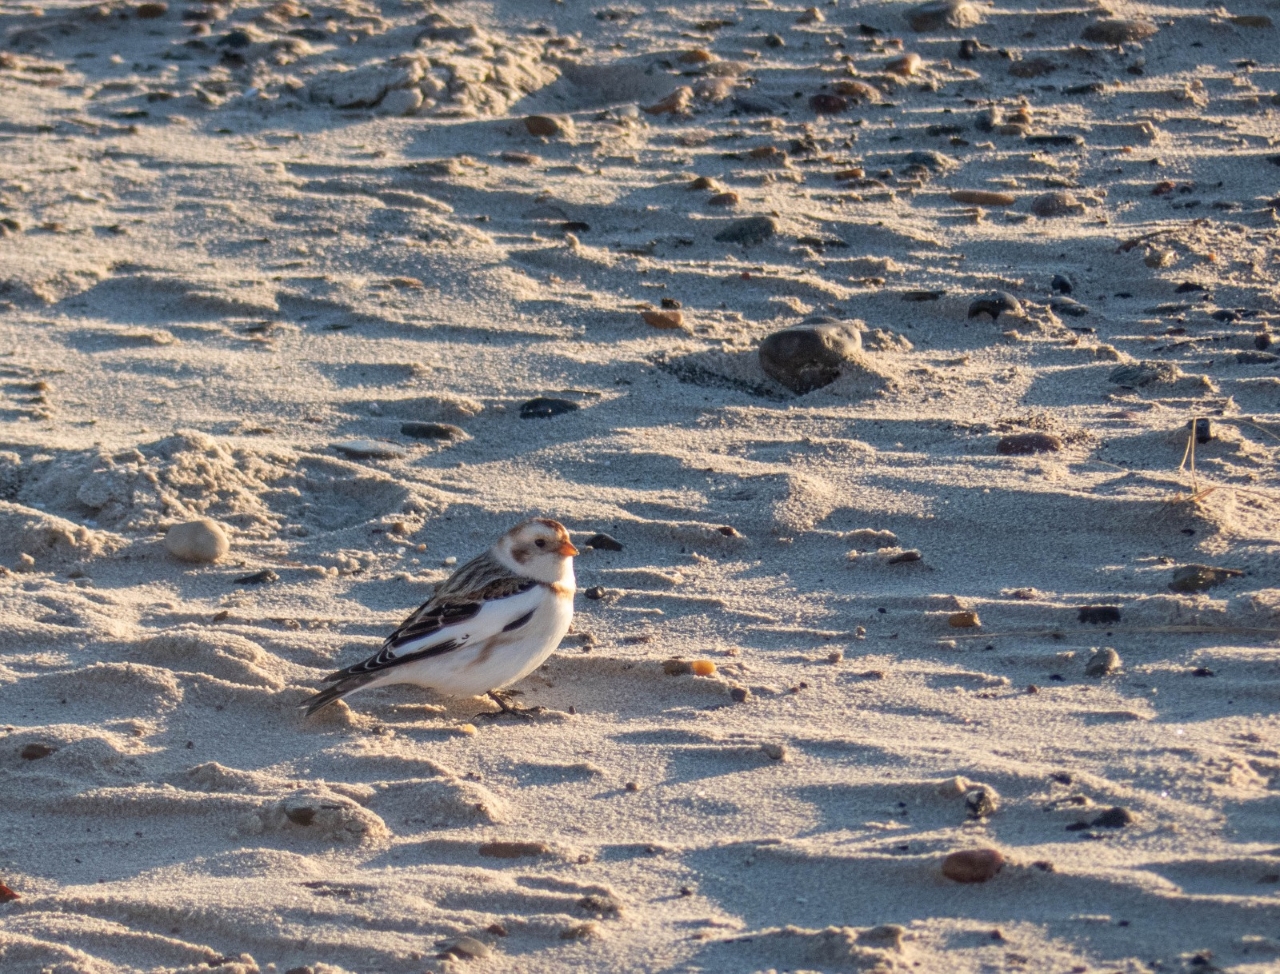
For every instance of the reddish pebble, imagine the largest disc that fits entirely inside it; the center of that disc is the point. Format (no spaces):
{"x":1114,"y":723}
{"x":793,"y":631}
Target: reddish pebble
{"x":666,"y":320}
{"x":7,"y":895}
{"x":972,"y":865}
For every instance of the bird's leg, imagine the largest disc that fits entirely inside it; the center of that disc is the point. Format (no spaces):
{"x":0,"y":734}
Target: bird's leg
{"x":505,"y":706}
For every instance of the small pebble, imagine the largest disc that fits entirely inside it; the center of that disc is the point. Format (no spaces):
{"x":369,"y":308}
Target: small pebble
{"x":1139,"y":374}
{"x":1024,"y":444}
{"x":603,"y":542}
{"x":467,"y":948}
{"x":982,"y":197}
{"x":964,"y":620}
{"x":1200,"y":578}
{"x":1103,"y":662}
{"x":369,"y":449}
{"x":1069,"y":307}
{"x":1099,"y":615}
{"x":1055,"y":204}
{"x":34,"y":752}
{"x":7,"y":895}
{"x":1115,"y":817}
{"x":775,"y":752}
{"x":595,"y":593}
{"x":981,"y":802}
{"x":724,"y":199}
{"x":702,"y":667}
{"x":264,"y":577}
{"x":808,"y":357}
{"x":1061,"y":284}
{"x":202,"y":541}
{"x":152,"y":11}
{"x":972,"y":865}
{"x":1119,"y":31}
{"x":748,"y":232}
{"x":663,"y":320}
{"x":995,"y":304}
{"x":943,"y":13}
{"x":513,"y":850}
{"x":828,"y":104}
{"x":433,"y":431}
{"x":544,"y":408}
{"x":740,"y":695}
{"x":543,"y":126}
{"x":905,"y":66}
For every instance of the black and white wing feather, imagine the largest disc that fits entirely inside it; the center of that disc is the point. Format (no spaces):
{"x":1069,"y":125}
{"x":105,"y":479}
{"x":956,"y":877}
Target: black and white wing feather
{"x":480,"y":599}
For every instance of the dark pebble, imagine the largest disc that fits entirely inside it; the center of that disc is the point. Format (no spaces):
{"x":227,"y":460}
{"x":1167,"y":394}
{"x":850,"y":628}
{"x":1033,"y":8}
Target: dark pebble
{"x":575,"y":226}
{"x":994,"y":304}
{"x":235,"y":38}
{"x":1092,"y":88}
{"x":1200,"y":578}
{"x":1204,"y":429}
{"x":1262,"y":340}
{"x":1189,"y":287}
{"x":1113,"y":818}
{"x":740,"y":694}
{"x":1069,"y":307}
{"x":1143,"y":374}
{"x":433,"y":431}
{"x":1061,"y":284}
{"x":544,"y":408}
{"x":969,"y":49}
{"x":972,"y":865}
{"x":828,"y":104}
{"x":1052,"y":140}
{"x":748,"y":232}
{"x":34,"y":752}
{"x":1022,"y":444}
{"x":264,"y":577}
{"x":604,"y":542}
{"x":930,"y":160}
{"x":808,"y":357}
{"x":922,"y":295}
{"x":1099,"y":615}
{"x":1202,"y":671}
{"x":595,"y":593}
{"x":904,"y":557}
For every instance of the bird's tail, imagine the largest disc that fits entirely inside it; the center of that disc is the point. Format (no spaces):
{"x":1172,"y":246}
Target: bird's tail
{"x":336,"y":692}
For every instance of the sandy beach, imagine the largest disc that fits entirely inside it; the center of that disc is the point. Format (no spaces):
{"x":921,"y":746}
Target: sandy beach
{"x":953,"y":645}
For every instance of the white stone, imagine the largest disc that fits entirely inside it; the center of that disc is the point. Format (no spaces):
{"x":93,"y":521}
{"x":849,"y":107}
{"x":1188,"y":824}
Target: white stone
{"x":202,"y":540}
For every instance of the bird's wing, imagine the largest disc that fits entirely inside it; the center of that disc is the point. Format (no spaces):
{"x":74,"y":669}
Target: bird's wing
{"x":453,"y":616}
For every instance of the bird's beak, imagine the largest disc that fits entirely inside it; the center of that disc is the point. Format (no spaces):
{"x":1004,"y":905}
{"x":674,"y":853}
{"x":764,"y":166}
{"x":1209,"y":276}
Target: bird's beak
{"x":567,"y":549}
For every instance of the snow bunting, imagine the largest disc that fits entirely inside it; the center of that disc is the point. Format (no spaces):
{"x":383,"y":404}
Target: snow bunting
{"x":491,"y":623}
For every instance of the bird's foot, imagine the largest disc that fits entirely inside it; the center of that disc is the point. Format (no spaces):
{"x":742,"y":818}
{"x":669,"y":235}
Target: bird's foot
{"x":505,"y":706}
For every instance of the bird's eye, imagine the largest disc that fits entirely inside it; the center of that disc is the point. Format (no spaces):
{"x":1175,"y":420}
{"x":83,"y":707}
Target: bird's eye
{"x":540,"y":543}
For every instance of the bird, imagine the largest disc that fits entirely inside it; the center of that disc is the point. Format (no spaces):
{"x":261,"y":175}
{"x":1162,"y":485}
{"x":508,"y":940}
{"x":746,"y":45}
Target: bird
{"x":488,"y":625}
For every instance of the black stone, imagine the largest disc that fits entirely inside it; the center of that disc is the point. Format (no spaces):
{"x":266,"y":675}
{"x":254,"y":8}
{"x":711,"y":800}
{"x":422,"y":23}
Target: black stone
{"x":1061,"y":284}
{"x":994,"y":304}
{"x":1204,"y":430}
{"x":432,"y":431}
{"x":603,"y":542}
{"x":264,"y":577}
{"x":595,"y":593}
{"x":749,"y":232}
{"x":1113,"y":818}
{"x":1099,"y":615}
{"x":1069,"y":307}
{"x":544,"y":408}
{"x":235,"y":38}
{"x":808,"y":357}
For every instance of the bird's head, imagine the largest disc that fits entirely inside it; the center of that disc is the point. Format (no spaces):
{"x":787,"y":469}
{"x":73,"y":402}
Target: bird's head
{"x":539,"y":549}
